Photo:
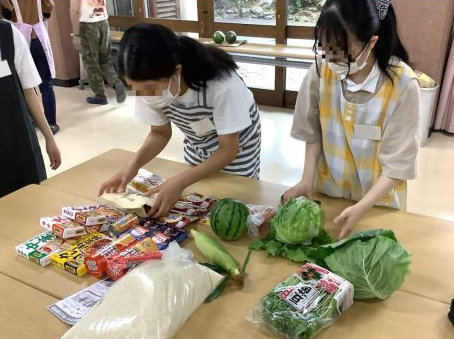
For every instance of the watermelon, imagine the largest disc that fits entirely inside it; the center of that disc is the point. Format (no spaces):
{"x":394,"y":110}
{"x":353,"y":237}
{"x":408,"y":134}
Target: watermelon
{"x":218,"y":37}
{"x":228,"y":219}
{"x":230,"y":37}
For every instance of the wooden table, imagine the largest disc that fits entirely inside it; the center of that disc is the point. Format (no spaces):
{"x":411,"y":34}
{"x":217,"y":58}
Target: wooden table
{"x":418,"y":310}
{"x":430,"y":240}
{"x":226,"y":316}
{"x":272,"y":54}
{"x":23,"y":313}
{"x":20,"y":213}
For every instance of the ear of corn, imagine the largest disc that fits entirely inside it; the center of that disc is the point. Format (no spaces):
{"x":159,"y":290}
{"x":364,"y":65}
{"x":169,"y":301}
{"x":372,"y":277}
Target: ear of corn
{"x":216,"y":253}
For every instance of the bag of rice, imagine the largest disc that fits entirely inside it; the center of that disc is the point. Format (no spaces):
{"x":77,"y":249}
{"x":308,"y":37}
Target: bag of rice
{"x":152,"y":301}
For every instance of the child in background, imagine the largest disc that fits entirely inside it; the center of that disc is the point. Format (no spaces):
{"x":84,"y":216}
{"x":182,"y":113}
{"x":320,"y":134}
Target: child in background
{"x":30,"y":18}
{"x":20,"y":154}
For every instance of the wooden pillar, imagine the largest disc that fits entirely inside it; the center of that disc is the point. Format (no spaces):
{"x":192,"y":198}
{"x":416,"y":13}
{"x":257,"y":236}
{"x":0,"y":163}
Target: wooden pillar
{"x":66,"y":58}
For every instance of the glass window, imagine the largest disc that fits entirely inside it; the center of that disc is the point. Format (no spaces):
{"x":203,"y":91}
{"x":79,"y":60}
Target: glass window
{"x":308,"y":43}
{"x":189,"y":34}
{"x":294,"y":78}
{"x":303,"y":12}
{"x":120,"y":7}
{"x":255,"y":40}
{"x":255,"y":12}
{"x":256,"y":75}
{"x":171,"y":9}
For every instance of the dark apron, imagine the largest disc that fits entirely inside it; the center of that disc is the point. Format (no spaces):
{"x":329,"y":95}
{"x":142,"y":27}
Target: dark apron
{"x":21,"y":161}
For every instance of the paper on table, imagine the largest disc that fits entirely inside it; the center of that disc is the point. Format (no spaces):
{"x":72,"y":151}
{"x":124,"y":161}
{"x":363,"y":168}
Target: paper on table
{"x":130,"y":202}
{"x":76,"y":306}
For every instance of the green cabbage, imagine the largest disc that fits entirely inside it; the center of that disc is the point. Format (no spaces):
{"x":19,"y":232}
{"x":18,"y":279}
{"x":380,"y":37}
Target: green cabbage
{"x":298,"y":221}
{"x":373,"y":261}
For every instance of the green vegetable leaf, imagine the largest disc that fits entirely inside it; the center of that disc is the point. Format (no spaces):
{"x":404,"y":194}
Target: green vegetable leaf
{"x":323,"y":238}
{"x":376,"y":266}
{"x":295,"y":253}
{"x":273,"y":247}
{"x":215,"y":267}
{"x":321,"y":252}
{"x":218,"y":290}
{"x":246,"y":261}
{"x":256,"y":245}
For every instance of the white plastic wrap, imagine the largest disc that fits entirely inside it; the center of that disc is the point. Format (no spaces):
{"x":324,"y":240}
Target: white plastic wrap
{"x":258,"y":216}
{"x":153,"y":301}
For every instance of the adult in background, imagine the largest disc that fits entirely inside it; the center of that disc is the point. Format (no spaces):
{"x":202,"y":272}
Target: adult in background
{"x":29,"y":17}
{"x":91,"y":36}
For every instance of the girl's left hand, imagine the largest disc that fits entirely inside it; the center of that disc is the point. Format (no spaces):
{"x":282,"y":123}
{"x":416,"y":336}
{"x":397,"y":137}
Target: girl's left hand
{"x":348,"y":219}
{"x":168,"y":194}
{"x":54,"y":154}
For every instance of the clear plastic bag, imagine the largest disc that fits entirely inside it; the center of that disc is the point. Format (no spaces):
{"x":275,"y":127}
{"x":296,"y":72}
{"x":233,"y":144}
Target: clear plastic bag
{"x":258,"y":216}
{"x":152,"y":301}
{"x":305,"y":303}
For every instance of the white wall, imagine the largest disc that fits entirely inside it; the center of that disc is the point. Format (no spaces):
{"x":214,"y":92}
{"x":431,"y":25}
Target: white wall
{"x":188,"y":9}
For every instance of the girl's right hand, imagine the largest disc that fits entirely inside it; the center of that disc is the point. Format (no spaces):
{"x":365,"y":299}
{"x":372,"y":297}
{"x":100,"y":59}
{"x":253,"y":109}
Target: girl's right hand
{"x":118,"y":182}
{"x":300,"y":189}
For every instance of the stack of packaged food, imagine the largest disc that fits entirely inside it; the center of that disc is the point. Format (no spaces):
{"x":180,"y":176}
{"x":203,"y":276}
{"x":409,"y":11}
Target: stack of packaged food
{"x":107,"y":240}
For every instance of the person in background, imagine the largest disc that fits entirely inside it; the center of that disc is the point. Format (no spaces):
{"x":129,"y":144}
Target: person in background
{"x":196,"y":87}
{"x":91,"y":36}
{"x":29,"y":17}
{"x":358,"y":110}
{"x":20,"y":154}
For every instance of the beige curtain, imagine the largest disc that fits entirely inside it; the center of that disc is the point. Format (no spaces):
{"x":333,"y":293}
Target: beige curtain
{"x":445,"y":113}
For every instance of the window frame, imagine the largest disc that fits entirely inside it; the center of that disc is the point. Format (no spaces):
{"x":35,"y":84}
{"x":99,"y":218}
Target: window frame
{"x":206,"y":26}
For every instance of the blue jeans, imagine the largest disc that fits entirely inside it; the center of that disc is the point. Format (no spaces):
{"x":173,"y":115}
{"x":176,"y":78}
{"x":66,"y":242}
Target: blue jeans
{"x":46,"y":88}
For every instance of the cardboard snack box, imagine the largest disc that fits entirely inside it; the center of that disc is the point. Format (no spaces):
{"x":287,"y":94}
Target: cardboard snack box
{"x":63,"y":227}
{"x":72,"y":259}
{"x":39,"y":248}
{"x":90,"y":215}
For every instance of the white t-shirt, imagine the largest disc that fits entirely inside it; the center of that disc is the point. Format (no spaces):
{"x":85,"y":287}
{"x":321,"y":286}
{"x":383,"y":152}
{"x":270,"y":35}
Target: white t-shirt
{"x":93,"y":11}
{"x":229,"y":97}
{"x":25,"y":66}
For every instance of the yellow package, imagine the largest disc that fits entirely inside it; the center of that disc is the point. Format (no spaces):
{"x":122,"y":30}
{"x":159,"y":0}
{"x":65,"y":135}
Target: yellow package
{"x":72,"y":259}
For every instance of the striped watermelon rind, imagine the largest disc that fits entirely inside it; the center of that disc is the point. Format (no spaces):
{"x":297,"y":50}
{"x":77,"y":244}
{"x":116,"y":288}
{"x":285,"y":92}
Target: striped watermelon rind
{"x":228,"y":219}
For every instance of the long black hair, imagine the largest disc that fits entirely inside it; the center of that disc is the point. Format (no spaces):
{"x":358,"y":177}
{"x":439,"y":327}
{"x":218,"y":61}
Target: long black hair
{"x":151,"y":52}
{"x":360,"y":18}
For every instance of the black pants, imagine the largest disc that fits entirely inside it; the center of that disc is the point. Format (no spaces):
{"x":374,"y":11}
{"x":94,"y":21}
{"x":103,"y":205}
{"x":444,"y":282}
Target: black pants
{"x":46,"y":88}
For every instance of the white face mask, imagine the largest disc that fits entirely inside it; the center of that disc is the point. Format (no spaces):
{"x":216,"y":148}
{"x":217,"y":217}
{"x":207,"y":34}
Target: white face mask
{"x":161,"y":101}
{"x":342,"y":69}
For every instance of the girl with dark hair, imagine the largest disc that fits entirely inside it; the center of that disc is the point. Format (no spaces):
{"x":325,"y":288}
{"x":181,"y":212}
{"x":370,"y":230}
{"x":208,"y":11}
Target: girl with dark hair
{"x":358,"y":110}
{"x":194,"y":86}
